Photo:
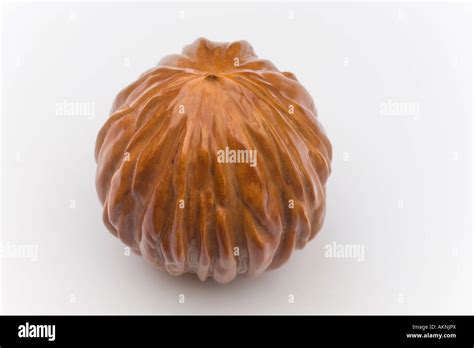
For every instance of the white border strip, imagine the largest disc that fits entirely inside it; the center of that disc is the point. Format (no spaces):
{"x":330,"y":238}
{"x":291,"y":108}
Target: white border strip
{"x":239,"y":1}
{"x":1,"y":155}
{"x":472,"y":160}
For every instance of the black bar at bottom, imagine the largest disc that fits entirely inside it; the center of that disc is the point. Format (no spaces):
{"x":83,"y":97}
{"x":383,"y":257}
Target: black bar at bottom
{"x":139,"y":330}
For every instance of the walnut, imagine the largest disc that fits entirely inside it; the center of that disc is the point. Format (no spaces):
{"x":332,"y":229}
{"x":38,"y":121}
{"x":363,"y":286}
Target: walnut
{"x":213,"y":163}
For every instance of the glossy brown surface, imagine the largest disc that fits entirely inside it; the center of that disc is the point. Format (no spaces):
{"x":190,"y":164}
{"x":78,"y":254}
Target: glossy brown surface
{"x":161,"y":180}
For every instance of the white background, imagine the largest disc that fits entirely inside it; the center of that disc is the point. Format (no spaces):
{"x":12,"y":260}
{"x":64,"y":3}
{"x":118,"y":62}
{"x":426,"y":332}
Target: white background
{"x":400,"y":187}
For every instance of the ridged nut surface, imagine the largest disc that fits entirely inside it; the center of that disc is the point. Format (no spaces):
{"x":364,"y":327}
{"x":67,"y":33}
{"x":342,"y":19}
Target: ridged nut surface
{"x":172,"y":190}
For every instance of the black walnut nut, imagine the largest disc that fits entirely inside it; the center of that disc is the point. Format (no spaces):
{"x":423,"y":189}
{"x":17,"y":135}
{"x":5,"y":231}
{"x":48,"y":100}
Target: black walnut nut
{"x":213,"y":163}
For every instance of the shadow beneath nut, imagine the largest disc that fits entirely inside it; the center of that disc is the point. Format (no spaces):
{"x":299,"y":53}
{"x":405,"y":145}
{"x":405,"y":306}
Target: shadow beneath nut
{"x":190,"y":280}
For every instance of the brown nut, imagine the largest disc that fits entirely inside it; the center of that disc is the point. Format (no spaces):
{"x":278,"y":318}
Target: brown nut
{"x":213,"y":163}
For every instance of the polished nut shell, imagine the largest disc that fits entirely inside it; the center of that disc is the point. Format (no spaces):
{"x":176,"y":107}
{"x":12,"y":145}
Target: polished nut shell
{"x":213,"y":163}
